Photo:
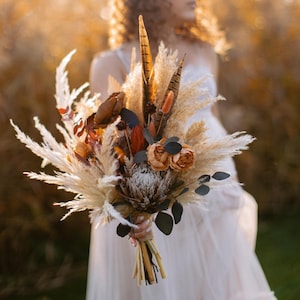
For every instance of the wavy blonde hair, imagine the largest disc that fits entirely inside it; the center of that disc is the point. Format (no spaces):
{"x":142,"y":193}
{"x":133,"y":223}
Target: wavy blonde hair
{"x":123,"y":24}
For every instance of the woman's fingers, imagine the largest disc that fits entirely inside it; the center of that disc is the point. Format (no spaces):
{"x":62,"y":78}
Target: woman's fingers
{"x":139,"y":220}
{"x":133,"y":241}
{"x":143,"y":232}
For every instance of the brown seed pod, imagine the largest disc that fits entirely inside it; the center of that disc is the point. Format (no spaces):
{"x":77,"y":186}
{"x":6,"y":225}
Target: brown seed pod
{"x":83,"y":151}
{"x":109,"y":109}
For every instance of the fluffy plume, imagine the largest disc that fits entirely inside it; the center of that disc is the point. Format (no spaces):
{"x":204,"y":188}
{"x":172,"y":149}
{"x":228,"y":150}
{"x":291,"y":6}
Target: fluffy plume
{"x":134,"y":92}
{"x":65,"y":98}
{"x":164,"y":68}
{"x":93,"y":183}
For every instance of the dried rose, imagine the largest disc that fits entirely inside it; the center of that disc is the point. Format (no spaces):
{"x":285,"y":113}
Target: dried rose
{"x":182,"y":160}
{"x":157,"y":157}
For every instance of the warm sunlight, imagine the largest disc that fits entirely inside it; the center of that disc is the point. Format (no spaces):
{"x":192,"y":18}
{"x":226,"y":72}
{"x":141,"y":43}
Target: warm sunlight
{"x":259,"y":76}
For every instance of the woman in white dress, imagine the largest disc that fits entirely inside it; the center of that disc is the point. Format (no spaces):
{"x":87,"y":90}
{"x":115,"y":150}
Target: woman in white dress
{"x":210,"y":253}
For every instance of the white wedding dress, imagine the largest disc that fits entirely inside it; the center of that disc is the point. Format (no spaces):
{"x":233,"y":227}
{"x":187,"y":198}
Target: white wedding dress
{"x":208,"y":256}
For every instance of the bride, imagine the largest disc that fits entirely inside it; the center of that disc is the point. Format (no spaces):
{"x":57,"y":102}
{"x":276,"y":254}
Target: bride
{"x":210,"y":253}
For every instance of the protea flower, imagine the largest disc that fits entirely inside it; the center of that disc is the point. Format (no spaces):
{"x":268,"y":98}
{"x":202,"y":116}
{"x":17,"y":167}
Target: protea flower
{"x":144,"y":188}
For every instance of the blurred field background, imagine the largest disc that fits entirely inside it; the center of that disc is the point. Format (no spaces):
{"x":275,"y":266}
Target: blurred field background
{"x":43,"y":258}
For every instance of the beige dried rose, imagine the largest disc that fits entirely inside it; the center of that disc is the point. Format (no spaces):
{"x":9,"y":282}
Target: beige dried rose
{"x":157,"y":157}
{"x":182,"y":160}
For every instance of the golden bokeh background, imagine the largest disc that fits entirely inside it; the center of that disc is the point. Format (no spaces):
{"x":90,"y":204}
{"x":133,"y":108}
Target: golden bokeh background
{"x":260,"y":77}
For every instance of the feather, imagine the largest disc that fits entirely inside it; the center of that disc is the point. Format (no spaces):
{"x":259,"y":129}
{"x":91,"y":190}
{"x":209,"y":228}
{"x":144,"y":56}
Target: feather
{"x":161,"y":118}
{"x":147,"y":67}
{"x":110,"y":211}
{"x":164,"y":68}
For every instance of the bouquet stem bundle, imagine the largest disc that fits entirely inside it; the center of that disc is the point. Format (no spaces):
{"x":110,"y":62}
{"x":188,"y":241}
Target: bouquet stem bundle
{"x":145,"y":268}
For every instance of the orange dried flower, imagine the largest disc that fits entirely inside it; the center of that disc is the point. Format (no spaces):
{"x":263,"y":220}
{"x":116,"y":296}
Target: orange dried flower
{"x":157,"y":157}
{"x":168,"y":103}
{"x":182,"y":160}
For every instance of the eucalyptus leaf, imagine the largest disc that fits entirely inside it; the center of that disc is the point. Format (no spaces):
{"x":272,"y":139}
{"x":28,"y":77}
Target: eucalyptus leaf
{"x":164,"y":205}
{"x":173,"y":147}
{"x":164,"y":222}
{"x":204,"y":178}
{"x":129,"y":117}
{"x":177,"y":184}
{"x":140,"y":157}
{"x":147,"y":135}
{"x":202,"y":190}
{"x":220,"y":175}
{"x":183,"y":191}
{"x":172,"y":139}
{"x":177,"y":210}
{"x":123,"y":230}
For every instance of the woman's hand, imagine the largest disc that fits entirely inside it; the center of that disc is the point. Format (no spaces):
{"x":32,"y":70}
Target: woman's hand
{"x":143,"y":232}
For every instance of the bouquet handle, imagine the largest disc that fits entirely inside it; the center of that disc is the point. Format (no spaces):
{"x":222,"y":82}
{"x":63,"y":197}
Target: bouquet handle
{"x":145,"y":268}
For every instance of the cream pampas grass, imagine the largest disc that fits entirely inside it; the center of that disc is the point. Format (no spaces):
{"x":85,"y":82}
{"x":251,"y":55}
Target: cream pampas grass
{"x":94,"y":184}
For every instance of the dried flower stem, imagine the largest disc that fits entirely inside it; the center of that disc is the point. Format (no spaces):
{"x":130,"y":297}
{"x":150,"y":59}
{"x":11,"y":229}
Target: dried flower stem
{"x":128,"y":141}
{"x":154,"y":250}
{"x":147,"y":262}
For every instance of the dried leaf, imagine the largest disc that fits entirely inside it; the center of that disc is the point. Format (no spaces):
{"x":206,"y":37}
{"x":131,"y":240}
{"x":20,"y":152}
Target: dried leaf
{"x":137,"y":139}
{"x":129,"y":117}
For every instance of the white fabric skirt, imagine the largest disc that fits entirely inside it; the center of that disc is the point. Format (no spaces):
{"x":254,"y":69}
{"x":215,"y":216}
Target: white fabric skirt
{"x":209,"y":256}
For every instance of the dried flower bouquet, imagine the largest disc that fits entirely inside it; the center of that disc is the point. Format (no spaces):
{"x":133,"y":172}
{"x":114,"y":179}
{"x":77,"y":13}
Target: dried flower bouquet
{"x":131,"y":155}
